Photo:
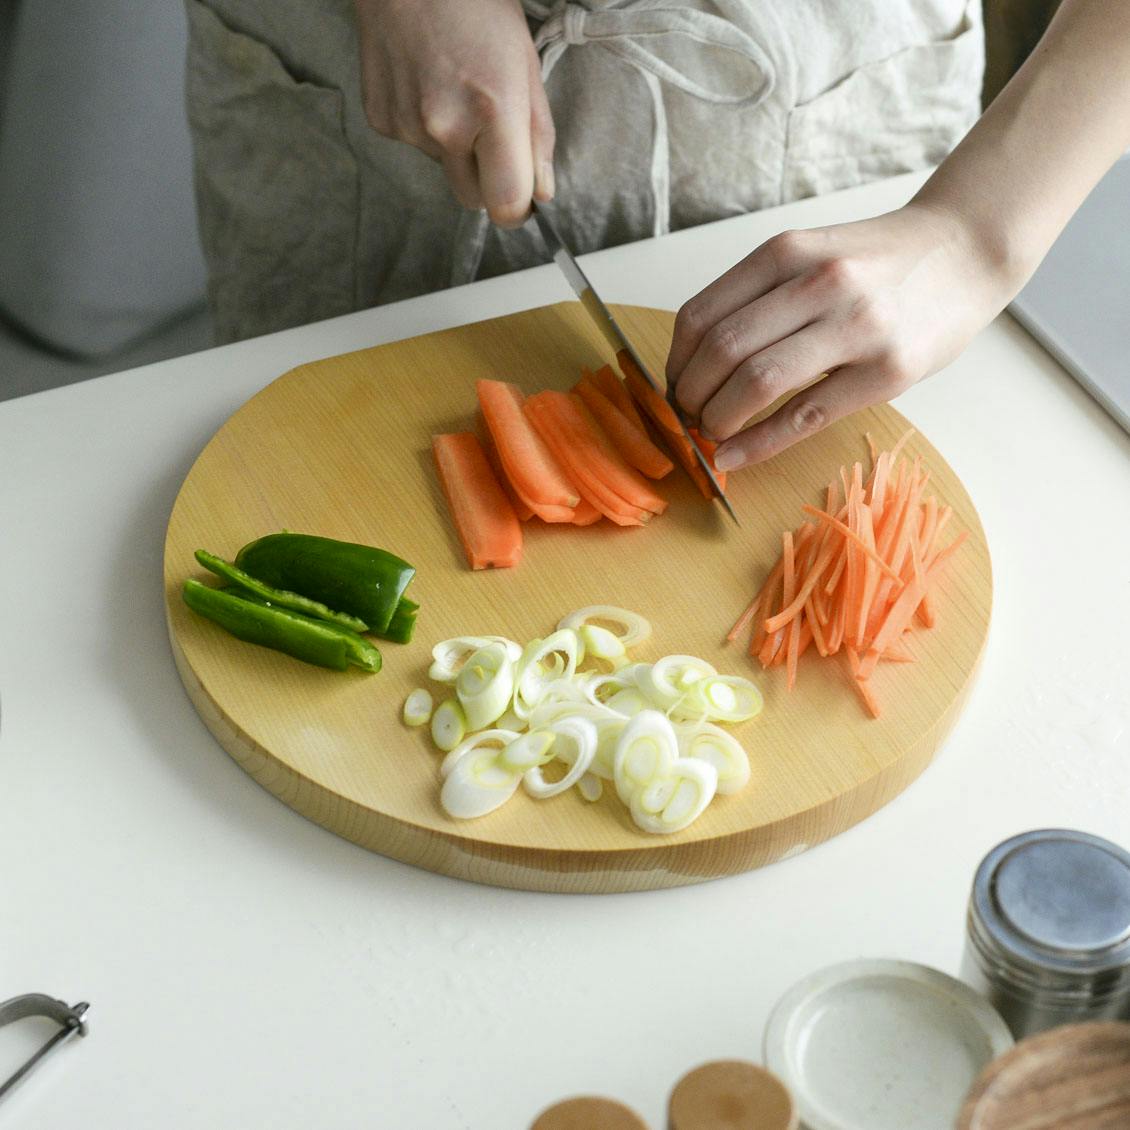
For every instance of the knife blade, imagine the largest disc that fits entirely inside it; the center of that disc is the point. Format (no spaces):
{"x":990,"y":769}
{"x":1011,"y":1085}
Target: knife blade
{"x":616,"y":338}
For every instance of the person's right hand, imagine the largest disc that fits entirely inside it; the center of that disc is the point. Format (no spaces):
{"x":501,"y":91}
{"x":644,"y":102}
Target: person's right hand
{"x":460,"y":80}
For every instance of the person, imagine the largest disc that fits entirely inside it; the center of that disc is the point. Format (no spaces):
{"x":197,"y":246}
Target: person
{"x":392,"y":148}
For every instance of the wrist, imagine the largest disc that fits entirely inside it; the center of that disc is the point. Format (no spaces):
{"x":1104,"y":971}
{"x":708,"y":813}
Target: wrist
{"x":982,"y":235}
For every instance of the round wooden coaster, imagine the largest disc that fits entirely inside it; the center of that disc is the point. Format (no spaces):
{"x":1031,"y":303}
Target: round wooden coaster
{"x":589,"y":1112}
{"x":731,"y":1094}
{"x":1075,"y":1077}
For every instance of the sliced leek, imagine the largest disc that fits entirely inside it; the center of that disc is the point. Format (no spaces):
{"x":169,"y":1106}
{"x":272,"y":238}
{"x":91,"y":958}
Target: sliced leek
{"x":449,"y":724}
{"x":575,"y":744}
{"x":449,"y":656}
{"x":485,"y":685}
{"x":712,"y":744}
{"x":418,"y":707}
{"x":477,"y":784}
{"x":574,"y":710}
{"x":635,"y":628}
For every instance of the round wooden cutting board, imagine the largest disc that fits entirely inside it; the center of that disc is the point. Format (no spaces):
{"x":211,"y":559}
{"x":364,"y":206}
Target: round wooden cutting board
{"x":341,"y":447}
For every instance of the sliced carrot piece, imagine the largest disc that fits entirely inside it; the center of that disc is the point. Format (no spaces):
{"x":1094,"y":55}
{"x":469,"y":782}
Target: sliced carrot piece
{"x":708,"y":447}
{"x":612,"y":386}
{"x":597,"y":493}
{"x":521,"y":509}
{"x":582,"y":436}
{"x":663,"y":416}
{"x":586,"y":514}
{"x":626,"y":436}
{"x":852,"y":536}
{"x":860,"y":684}
{"x":484,"y":519}
{"x":536,"y":475}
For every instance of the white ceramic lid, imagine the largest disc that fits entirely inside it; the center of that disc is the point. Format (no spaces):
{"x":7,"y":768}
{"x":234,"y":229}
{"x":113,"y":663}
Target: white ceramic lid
{"x":881,"y":1045}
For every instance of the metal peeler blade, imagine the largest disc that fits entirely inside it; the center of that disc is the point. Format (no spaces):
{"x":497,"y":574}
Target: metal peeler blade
{"x":70,"y":1019}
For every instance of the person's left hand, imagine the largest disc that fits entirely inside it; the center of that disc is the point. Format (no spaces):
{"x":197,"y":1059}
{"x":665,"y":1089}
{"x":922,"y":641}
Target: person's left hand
{"x":869,"y":308}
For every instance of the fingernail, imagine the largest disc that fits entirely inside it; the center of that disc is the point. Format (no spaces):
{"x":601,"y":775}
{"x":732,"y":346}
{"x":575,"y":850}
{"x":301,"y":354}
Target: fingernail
{"x":544,"y":188}
{"x":728,"y":459}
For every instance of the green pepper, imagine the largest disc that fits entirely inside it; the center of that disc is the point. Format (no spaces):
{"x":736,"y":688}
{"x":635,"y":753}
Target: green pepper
{"x":403,"y":622}
{"x":357,"y":579}
{"x":313,"y":641}
{"x":278,"y":598}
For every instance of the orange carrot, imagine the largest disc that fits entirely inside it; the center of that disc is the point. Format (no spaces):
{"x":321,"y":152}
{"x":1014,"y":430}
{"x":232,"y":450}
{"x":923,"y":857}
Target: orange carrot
{"x":593,"y":490}
{"x":858,"y":579}
{"x":536,"y":475}
{"x":633,"y":443}
{"x":586,"y":514}
{"x":584,"y":439}
{"x":610,"y":384}
{"x":663,"y":416}
{"x":521,"y":509}
{"x":484,"y":519}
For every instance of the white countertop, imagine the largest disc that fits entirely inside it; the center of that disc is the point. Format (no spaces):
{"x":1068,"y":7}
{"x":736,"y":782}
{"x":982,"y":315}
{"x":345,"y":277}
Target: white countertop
{"x":247,"y":968}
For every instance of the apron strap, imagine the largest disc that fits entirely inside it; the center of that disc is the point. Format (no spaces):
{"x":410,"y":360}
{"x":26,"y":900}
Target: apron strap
{"x":624,"y":31}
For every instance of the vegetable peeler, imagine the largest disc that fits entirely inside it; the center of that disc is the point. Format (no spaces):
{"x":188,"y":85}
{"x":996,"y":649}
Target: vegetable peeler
{"x":68,"y":1017}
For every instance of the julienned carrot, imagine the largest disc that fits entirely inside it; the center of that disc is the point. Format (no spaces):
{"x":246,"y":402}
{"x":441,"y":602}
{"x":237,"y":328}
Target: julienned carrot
{"x":626,"y":435}
{"x":859,"y":579}
{"x":484,"y":519}
{"x":536,"y":475}
{"x":610,"y":384}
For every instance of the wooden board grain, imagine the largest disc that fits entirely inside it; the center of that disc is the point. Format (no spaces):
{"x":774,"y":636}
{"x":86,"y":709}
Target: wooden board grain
{"x":341,"y":447}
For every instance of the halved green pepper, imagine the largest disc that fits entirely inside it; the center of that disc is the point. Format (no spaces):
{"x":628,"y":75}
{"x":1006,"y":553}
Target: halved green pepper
{"x":357,"y":579}
{"x":313,"y":641}
{"x":278,"y":598}
{"x":403,"y":622}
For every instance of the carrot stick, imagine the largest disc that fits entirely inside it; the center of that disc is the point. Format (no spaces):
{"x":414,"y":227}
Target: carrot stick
{"x":852,"y":536}
{"x":536,"y":475}
{"x":629,"y":439}
{"x":484,"y":519}
{"x":587,"y":444}
{"x":860,"y":684}
{"x":610,"y":384}
{"x":662,"y":415}
{"x":768,"y":592}
{"x":593,"y":490}
{"x":586,"y":514}
{"x":521,"y":508}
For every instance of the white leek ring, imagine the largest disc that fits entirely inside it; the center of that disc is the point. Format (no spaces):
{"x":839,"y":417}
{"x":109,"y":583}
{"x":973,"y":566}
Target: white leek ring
{"x":645,"y":752}
{"x":449,"y":724}
{"x":712,"y":744}
{"x":575,"y":744}
{"x":449,"y":656}
{"x":485,"y":685}
{"x":481,"y":740}
{"x":418,"y":707}
{"x":477,"y":784}
{"x":543,"y":662}
{"x":635,"y":628}
{"x":670,"y":804}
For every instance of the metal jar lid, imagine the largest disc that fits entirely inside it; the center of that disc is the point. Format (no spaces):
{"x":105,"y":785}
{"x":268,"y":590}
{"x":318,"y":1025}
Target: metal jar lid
{"x":1053,"y":907}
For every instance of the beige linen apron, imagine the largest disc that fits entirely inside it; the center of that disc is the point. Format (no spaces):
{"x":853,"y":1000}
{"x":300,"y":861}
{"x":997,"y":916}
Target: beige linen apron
{"x":668,"y":114}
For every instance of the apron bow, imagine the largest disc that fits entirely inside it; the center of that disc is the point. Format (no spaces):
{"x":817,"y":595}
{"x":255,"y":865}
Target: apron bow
{"x":624,"y":31}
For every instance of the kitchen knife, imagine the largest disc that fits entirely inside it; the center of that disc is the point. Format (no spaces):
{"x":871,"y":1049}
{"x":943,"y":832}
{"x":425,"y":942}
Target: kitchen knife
{"x":615,"y":337}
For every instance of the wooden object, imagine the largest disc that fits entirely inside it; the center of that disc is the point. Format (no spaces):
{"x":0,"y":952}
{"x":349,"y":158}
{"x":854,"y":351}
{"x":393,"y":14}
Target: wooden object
{"x":589,"y":1113}
{"x":1076,"y":1077}
{"x":731,"y":1094}
{"x":341,"y":447}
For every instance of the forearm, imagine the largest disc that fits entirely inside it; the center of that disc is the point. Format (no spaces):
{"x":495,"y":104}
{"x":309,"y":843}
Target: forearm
{"x":1044,"y":142}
